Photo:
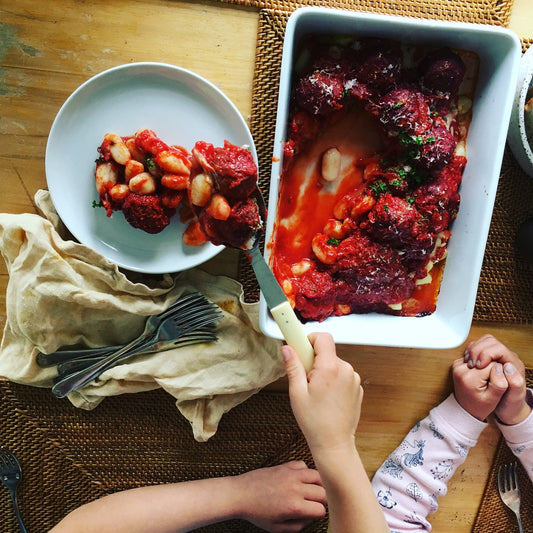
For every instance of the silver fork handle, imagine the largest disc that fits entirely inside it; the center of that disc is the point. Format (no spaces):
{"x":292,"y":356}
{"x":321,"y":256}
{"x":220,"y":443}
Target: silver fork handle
{"x":519,"y":518}
{"x":79,"y":379}
{"x":75,"y":365}
{"x":54,"y":358}
{"x":13,"y":495}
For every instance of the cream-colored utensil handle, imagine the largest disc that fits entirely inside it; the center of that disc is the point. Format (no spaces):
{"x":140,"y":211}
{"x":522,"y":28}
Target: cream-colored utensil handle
{"x":294,"y":333}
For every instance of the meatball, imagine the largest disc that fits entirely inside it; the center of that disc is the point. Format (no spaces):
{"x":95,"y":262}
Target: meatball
{"x":402,"y":111}
{"x":369,"y":274}
{"x":235,"y":171}
{"x":442,"y":71}
{"x":303,"y":127}
{"x":321,"y":91}
{"x":438,"y":200}
{"x":396,"y":222}
{"x":378,"y":65}
{"x":146,"y":213}
{"x":315,"y":295}
{"x":238,"y":230}
{"x":232,"y":167}
{"x":437,"y":147}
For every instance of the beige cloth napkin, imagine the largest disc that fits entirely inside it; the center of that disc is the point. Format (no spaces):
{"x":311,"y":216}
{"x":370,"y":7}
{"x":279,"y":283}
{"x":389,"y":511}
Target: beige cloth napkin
{"x":61,"y":293}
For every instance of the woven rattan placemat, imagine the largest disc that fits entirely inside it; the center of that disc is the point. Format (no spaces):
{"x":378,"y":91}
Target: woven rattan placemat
{"x":506,"y":282}
{"x":70,"y":456}
{"x":493,"y":516}
{"x":479,"y":11}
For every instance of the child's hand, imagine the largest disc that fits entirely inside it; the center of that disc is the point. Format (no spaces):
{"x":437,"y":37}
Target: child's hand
{"x":512,"y":408}
{"x":478,"y":390}
{"x":326,"y":402}
{"x":281,"y":498}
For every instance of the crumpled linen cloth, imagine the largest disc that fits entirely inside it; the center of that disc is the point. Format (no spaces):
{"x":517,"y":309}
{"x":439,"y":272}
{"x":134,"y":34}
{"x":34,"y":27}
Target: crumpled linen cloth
{"x":61,"y":293}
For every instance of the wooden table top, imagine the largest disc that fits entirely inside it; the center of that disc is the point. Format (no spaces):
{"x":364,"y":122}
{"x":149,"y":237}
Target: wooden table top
{"x":47,"y":49}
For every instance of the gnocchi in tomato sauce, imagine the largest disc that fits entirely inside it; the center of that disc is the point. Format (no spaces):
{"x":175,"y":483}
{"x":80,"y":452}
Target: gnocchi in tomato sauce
{"x":142,"y":176}
{"x":373,"y":160}
{"x":209,"y":188}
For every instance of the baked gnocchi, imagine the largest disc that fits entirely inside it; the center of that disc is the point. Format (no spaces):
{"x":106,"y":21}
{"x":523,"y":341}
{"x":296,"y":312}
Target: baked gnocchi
{"x":151,"y":181}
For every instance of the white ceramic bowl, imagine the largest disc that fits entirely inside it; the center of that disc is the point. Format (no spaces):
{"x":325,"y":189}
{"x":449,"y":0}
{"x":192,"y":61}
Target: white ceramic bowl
{"x":181,"y":107}
{"x":518,"y":140}
{"x":499,"y":53}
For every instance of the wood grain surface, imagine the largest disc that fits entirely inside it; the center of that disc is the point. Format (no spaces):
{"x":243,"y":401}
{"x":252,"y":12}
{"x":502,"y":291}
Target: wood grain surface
{"x":47,"y":49}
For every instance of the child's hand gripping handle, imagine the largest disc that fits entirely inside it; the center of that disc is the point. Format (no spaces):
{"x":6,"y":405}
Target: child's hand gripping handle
{"x":294,"y":333}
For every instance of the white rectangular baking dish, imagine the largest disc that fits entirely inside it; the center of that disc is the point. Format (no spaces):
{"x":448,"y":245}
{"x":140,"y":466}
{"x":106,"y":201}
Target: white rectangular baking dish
{"x":499,"y":52}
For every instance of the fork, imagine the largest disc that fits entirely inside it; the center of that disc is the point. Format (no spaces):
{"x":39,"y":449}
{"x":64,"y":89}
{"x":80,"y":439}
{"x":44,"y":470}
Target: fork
{"x":510,"y":491}
{"x":188,"y":303}
{"x":202,"y":335}
{"x":11,"y":474}
{"x":172,"y":327}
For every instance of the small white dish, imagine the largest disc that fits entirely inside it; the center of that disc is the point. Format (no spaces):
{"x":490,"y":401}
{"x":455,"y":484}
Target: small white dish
{"x":181,"y":107}
{"x":518,"y":139}
{"x":499,"y":52}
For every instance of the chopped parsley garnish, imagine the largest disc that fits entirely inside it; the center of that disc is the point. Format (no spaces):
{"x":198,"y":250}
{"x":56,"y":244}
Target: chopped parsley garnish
{"x":417,"y":177}
{"x":97,"y":204}
{"x":379,"y":187}
{"x":149,"y":162}
{"x":333,"y":241}
{"x":401,"y":172}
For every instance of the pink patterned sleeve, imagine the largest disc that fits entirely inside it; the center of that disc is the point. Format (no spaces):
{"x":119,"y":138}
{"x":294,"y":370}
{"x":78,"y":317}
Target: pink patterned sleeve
{"x":411,"y":479}
{"x":519,"y":438}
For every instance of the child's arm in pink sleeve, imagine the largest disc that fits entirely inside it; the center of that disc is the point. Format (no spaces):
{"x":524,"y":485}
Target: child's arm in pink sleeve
{"x":409,"y":482}
{"x":519,"y":438}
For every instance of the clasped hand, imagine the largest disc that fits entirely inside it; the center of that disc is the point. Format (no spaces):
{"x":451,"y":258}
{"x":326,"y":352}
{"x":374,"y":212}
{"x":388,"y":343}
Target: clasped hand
{"x":491,"y":378}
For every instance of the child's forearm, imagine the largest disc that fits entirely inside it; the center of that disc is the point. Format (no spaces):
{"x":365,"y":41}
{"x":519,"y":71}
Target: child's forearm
{"x":158,"y":509}
{"x":411,"y":479}
{"x":351,"y":501}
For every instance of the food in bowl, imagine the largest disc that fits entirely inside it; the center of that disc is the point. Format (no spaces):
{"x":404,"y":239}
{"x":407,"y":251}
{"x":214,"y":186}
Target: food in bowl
{"x":142,"y":176}
{"x":149,"y":180}
{"x":223,"y":184}
{"x":372,"y":164}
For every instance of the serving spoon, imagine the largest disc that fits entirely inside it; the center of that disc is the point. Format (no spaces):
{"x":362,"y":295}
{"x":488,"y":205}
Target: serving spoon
{"x":280,"y":308}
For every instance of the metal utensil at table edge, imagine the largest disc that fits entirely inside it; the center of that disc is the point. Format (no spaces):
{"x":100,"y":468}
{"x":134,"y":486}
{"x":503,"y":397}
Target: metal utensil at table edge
{"x":10,"y":476}
{"x":509,"y":490}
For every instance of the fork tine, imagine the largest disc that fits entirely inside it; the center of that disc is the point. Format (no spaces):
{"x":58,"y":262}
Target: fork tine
{"x":194,"y":339}
{"x":183,"y":319}
{"x":7,"y":458}
{"x":500,"y":479}
{"x":515,"y":477}
{"x":192,"y":299}
{"x":197,"y":322}
{"x":506,"y":479}
{"x":210,"y":310}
